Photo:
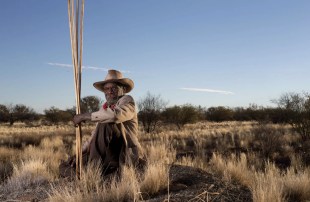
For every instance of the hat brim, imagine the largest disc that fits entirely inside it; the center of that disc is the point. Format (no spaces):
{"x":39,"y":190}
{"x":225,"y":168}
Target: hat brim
{"x":128,"y":83}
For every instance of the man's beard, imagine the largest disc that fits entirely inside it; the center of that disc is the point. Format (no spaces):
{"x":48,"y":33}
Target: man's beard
{"x":112,"y":101}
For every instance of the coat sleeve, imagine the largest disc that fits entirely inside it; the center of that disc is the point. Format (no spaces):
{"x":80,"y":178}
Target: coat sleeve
{"x":123,"y":111}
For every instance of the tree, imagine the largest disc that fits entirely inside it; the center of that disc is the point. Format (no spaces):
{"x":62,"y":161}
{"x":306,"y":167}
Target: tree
{"x":181,"y":115}
{"x":12,"y":119}
{"x":90,"y":104}
{"x":297,"y":108}
{"x":19,"y":112}
{"x":24,"y":114}
{"x":4,"y":113}
{"x":71,"y":111}
{"x":150,"y":108}
{"x":241,"y":114}
{"x":55,"y":115}
{"x":219,"y":114}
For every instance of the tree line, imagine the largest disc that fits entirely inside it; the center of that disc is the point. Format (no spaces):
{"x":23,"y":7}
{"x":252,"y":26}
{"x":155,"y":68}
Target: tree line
{"x":52,"y":116}
{"x":292,"y":108}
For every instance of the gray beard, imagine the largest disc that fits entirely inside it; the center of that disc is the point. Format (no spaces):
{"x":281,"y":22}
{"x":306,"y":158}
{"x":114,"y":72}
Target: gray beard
{"x":112,"y":101}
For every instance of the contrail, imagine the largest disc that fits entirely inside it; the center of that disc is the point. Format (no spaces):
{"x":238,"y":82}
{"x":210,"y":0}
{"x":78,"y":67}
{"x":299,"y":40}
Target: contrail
{"x":208,"y":90}
{"x":83,"y":67}
{"x":59,"y":65}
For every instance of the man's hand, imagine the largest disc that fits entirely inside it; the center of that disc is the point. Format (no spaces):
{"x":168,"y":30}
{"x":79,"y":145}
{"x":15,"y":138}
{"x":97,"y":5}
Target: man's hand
{"x":81,"y":117}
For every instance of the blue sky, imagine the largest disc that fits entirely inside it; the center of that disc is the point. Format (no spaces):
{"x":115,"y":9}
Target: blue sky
{"x":203,"y":52}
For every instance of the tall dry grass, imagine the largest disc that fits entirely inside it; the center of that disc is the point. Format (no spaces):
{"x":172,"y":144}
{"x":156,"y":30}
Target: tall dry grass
{"x":267,"y":186}
{"x":296,"y":184}
{"x":28,"y":174}
{"x":157,"y":172}
{"x":50,"y":151}
{"x":51,"y":144}
{"x":246,"y":152}
{"x":234,"y":168}
{"x":272,"y":184}
{"x":132,"y":186}
{"x":91,"y":187}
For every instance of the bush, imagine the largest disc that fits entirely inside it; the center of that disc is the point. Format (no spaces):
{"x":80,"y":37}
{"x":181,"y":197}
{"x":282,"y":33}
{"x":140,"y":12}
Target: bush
{"x":55,"y":115}
{"x":219,"y":114}
{"x":150,"y":108}
{"x":181,"y":115}
{"x":297,"y":108}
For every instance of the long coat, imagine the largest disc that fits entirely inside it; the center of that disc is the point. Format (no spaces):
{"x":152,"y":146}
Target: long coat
{"x":114,"y":140}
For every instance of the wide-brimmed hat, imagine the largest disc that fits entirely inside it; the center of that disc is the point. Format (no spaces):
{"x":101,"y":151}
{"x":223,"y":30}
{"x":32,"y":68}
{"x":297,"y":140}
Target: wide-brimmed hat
{"x":115,"y":76}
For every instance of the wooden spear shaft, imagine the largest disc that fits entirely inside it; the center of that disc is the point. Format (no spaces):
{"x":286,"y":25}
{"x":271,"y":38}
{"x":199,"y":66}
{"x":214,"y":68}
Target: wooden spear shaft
{"x":76,"y":35}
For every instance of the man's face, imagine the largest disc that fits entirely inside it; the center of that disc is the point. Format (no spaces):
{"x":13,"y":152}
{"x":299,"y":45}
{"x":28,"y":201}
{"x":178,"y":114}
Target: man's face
{"x":112,"y":92}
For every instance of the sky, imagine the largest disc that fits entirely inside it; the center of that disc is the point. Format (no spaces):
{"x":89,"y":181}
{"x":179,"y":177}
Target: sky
{"x":200,"y":52}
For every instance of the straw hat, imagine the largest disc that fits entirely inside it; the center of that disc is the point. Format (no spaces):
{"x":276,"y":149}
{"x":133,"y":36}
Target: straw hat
{"x":116,"y":77}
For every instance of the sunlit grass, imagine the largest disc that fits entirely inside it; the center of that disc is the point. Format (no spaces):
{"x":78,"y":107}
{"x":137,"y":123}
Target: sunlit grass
{"x":236,"y":151}
{"x":32,"y":172}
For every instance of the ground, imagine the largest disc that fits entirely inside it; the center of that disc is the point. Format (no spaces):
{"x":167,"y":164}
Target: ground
{"x":193,"y":184}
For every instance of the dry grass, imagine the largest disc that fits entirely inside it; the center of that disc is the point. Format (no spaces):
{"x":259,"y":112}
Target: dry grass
{"x":235,"y":168}
{"x":246,"y":152}
{"x":130,"y":187}
{"x":9,"y":154}
{"x":91,"y":187}
{"x":267,"y":186}
{"x":155,"y":178}
{"x":32,"y":172}
{"x":19,"y":128}
{"x":296,"y":185}
{"x":127,"y":188}
{"x":270,"y":185}
{"x":51,"y":151}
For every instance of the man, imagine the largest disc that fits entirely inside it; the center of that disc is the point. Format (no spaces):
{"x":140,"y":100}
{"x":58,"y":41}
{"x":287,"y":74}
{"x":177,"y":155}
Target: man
{"x":114,"y":142}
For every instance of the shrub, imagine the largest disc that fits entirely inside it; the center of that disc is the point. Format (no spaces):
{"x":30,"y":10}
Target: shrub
{"x":297,"y":108}
{"x":150,"y":108}
{"x":219,"y":114}
{"x":181,"y":115}
{"x":55,"y":115}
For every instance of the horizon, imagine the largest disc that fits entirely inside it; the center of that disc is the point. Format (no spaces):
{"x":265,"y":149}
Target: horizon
{"x":205,"y":53}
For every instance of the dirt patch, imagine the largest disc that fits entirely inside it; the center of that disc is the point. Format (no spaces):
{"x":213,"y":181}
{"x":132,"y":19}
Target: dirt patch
{"x":193,"y":184}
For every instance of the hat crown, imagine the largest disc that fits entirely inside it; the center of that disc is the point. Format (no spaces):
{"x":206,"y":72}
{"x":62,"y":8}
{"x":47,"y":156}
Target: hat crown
{"x":113,"y":74}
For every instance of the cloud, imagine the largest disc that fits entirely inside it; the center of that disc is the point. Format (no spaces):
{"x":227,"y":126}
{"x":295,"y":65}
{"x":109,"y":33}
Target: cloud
{"x":95,"y":68}
{"x":208,"y":90}
{"x":59,"y":65}
{"x":83,"y":67}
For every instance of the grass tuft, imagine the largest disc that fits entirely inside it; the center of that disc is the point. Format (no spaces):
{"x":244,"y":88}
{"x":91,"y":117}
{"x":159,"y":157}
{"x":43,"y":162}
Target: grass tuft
{"x":29,"y":173}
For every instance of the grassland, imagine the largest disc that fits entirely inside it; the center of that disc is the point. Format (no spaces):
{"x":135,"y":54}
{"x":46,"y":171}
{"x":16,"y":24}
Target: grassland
{"x":268,"y":160}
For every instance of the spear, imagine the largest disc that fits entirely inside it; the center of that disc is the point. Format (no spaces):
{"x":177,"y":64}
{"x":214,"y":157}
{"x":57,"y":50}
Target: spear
{"x":76,"y":16}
